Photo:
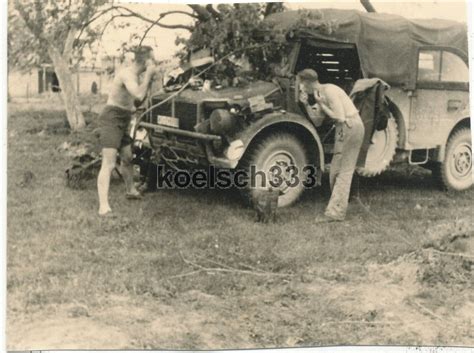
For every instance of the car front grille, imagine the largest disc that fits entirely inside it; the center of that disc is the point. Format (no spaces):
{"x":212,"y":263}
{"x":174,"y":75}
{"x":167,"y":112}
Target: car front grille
{"x":163,"y":109}
{"x":184,"y":111}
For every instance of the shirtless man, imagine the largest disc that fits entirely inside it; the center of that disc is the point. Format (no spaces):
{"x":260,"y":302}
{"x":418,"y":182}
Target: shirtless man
{"x":335,"y":104}
{"x":114,"y":121}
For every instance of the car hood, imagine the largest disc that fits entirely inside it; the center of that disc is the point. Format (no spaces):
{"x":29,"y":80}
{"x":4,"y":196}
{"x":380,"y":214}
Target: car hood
{"x":232,"y":93}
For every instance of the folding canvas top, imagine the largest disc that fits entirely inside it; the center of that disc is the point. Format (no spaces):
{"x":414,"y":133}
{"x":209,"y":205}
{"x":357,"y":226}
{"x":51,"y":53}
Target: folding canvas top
{"x":387,"y":44}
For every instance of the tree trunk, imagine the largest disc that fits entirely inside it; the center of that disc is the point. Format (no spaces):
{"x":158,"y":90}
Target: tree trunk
{"x":68,"y":92}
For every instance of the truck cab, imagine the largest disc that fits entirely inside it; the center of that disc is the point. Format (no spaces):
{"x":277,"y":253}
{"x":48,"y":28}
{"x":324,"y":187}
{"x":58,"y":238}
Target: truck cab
{"x":261,"y":123}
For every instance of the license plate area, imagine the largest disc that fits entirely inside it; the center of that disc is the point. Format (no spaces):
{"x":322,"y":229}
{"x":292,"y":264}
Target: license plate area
{"x":168,"y":121}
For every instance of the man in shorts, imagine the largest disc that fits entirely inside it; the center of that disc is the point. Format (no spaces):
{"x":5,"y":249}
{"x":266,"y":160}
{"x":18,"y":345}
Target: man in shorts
{"x":125,"y":92}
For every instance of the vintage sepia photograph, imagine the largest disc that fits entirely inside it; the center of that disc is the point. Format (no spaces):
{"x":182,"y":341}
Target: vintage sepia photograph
{"x":238,"y":175}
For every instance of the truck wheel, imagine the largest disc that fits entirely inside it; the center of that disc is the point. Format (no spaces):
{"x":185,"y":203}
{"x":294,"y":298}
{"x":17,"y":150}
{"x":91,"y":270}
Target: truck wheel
{"x":278,"y":149}
{"x":455,"y":172}
{"x":381,"y":151}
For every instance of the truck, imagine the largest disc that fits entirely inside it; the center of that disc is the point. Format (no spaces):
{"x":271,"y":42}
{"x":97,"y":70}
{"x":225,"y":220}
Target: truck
{"x":262,"y":124}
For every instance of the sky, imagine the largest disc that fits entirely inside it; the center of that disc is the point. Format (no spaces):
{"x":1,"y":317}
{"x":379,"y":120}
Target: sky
{"x":163,"y":40}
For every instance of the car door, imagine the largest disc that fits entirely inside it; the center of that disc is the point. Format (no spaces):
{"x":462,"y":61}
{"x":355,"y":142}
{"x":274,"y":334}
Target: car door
{"x":288,"y":81}
{"x":441,"y":94}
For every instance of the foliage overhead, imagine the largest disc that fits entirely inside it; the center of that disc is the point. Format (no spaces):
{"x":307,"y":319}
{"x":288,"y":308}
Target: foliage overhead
{"x":232,"y":29}
{"x":35,"y":26}
{"x":241,"y":28}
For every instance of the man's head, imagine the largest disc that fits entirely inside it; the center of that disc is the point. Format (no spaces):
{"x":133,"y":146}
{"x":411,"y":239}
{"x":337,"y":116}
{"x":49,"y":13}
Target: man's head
{"x":308,"y":78}
{"x":143,"y":56}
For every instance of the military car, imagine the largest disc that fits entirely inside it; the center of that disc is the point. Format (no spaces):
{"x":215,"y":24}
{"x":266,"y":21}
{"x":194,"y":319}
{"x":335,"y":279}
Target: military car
{"x":425,"y":63}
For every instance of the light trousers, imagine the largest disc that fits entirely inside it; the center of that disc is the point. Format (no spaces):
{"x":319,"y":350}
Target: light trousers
{"x":349,"y":137}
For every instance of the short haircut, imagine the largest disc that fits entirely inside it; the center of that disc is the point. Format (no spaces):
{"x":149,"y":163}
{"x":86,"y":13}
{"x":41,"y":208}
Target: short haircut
{"x":308,"y":75}
{"x":142,"y":53}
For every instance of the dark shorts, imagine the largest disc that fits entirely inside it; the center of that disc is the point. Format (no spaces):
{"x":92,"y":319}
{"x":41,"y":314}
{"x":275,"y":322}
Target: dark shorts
{"x":113,"y":126}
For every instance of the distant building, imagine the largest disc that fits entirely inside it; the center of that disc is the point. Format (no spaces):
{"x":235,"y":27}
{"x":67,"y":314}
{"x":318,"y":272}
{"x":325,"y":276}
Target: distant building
{"x":41,"y":80}
{"x":87,"y":79}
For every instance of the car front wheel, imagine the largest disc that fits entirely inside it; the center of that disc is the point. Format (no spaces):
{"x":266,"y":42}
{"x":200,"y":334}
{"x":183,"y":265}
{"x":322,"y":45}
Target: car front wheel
{"x":281,"y":157}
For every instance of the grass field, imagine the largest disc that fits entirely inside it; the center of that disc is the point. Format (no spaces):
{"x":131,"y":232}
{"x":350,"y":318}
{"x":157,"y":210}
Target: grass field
{"x":191,"y":269}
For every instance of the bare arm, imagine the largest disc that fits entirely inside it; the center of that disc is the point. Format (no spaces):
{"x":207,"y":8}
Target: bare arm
{"x":140,"y":102}
{"x":131,"y":84}
{"x":314,"y":116}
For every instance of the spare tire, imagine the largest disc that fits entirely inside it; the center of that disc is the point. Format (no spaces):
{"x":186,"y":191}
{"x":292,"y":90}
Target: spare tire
{"x":381,"y":151}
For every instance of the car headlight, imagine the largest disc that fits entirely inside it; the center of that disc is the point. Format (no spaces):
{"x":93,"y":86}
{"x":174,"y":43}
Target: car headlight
{"x":222,"y":121}
{"x":235,"y":150}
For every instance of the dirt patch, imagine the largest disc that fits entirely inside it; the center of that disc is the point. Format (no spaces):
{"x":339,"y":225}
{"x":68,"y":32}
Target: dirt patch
{"x":388,"y":304}
{"x":64,"y":332}
{"x":194,"y":320}
{"x":382,"y":301}
{"x":391,"y":296}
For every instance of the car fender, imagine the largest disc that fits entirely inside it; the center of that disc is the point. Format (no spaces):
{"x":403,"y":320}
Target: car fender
{"x":285,"y":120}
{"x":463,"y":119}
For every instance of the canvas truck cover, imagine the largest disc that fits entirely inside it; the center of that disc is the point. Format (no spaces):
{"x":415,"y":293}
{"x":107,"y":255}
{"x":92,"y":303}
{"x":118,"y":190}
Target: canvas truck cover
{"x":386,"y":43}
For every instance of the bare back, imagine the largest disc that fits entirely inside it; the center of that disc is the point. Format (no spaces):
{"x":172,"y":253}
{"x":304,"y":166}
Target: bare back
{"x":338,"y":100}
{"x":119,"y":96}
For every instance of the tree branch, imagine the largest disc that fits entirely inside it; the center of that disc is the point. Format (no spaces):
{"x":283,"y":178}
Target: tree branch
{"x":269,"y":9}
{"x":68,"y":44}
{"x":188,"y":28}
{"x":34,"y":30}
{"x":109,"y":21}
{"x":213,"y":11}
{"x":202,"y":13}
{"x":272,"y":7}
{"x":88,"y":23}
{"x":466,"y":256}
{"x":131,"y":13}
{"x":146,"y":33}
{"x":180,"y":13}
{"x":229,"y":269}
{"x":103,"y":12}
{"x":368,"y":6}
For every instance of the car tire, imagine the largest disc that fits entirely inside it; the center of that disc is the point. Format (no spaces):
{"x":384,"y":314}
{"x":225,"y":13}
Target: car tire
{"x":381,"y":152}
{"x":455,"y":172}
{"x":278,"y":148}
